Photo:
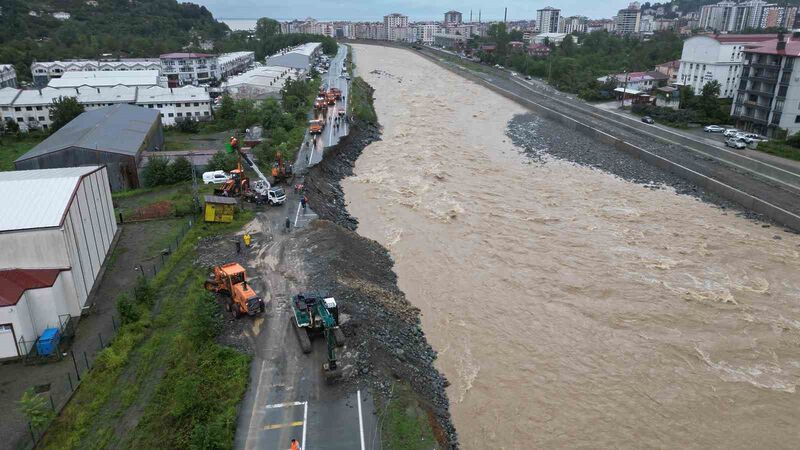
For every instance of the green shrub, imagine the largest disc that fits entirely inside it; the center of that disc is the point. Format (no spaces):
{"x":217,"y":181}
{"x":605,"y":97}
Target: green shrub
{"x":36,"y":409}
{"x":127,"y":309}
{"x":143,"y":292}
{"x":204,"y":323}
{"x":188,"y":126}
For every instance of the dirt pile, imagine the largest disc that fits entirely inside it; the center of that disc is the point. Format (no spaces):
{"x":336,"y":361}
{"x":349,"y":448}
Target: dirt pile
{"x":382,"y":327}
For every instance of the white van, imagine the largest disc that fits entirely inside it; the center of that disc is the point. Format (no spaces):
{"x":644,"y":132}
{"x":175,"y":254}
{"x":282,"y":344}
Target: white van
{"x":215,"y":177}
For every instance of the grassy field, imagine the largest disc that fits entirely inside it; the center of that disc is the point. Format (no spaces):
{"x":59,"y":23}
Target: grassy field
{"x":178,"y":195}
{"x":175,"y":140}
{"x":405,"y":424}
{"x":780,"y":148}
{"x":163,"y":382}
{"x":11,"y":149}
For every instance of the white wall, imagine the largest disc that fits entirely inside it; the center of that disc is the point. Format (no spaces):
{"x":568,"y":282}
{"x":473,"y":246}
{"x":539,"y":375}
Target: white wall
{"x":33,"y":249}
{"x":791,"y":107}
{"x":88,"y":230}
{"x":723,"y":63}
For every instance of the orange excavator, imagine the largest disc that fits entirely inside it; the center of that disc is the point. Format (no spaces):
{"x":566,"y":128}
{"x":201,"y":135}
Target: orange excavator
{"x":280,"y":170}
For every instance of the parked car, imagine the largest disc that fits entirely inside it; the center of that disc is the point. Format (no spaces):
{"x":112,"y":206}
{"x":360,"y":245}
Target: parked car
{"x":735,"y":143}
{"x":749,"y":138}
{"x":528,"y":77}
{"x":730,"y":132}
{"x":714,"y":129}
{"x":648,"y":119}
{"x":215,"y":177}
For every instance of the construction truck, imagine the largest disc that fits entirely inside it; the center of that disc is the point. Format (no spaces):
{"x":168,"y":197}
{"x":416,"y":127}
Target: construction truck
{"x":237,"y":185}
{"x":230,"y":281}
{"x":315,"y":314}
{"x":336,"y":93}
{"x":315,"y":126}
{"x":320,"y":105}
{"x":280,"y":170}
{"x":331,"y":98}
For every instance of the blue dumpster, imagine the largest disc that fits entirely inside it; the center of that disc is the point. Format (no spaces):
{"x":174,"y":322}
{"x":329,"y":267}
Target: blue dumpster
{"x":48,"y":342}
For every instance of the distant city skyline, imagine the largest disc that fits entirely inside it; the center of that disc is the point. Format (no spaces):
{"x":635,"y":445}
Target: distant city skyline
{"x":361,"y":10}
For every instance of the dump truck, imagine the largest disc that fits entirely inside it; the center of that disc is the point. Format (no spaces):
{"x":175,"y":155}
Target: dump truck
{"x":315,"y":126}
{"x":320,"y":105}
{"x":316,"y":314}
{"x":331,"y":98}
{"x":336,"y":93}
{"x":230,"y":281}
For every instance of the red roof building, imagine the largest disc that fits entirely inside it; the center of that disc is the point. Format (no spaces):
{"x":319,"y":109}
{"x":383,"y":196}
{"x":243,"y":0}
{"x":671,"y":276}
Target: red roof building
{"x":14,"y":282}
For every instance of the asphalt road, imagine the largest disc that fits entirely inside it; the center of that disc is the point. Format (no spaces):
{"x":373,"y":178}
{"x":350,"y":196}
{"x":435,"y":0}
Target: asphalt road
{"x":314,"y":146}
{"x":288,"y":397}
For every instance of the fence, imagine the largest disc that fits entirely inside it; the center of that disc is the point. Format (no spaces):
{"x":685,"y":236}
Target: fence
{"x":79,"y":358}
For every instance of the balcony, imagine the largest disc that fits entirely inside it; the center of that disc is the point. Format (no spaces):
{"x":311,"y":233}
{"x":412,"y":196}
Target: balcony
{"x":752,"y":104}
{"x":770,"y":77}
{"x":753,"y":118}
{"x":766,"y":65}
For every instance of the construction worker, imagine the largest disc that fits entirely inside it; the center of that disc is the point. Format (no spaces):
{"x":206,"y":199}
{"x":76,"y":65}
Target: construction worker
{"x":238,"y":246}
{"x":247,"y":239}
{"x":303,"y":201}
{"x":288,"y":224}
{"x":295,"y":445}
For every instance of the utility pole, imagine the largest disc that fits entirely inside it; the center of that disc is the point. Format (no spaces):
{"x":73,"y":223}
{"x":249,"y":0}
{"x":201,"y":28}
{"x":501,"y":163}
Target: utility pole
{"x":505,"y":15}
{"x":624,"y":88}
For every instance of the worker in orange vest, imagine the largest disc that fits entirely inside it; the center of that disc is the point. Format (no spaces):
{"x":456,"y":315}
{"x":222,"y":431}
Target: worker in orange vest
{"x":234,"y":143}
{"x":295,"y":445}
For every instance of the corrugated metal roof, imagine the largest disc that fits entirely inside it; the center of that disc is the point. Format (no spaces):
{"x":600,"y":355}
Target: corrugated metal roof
{"x":37,"y":198}
{"x":100,"y":78}
{"x":117,"y":129}
{"x":13,"y":282}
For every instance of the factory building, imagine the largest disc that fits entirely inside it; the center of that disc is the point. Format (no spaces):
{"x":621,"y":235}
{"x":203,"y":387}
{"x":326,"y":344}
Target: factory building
{"x":56,"y":231}
{"x":114,"y":136}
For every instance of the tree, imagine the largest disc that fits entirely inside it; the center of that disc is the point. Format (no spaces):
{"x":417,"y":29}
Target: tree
{"x":180,"y":170}
{"x":687,"y":96}
{"x":329,"y":46}
{"x":65,"y":109}
{"x":189,"y":126}
{"x":227,"y":109}
{"x":222,"y":161}
{"x":156,"y":172}
{"x":267,"y":28}
{"x":36,"y":409}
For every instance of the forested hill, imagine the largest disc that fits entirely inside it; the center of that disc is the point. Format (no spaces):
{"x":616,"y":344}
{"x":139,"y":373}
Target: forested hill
{"x":126,"y":28}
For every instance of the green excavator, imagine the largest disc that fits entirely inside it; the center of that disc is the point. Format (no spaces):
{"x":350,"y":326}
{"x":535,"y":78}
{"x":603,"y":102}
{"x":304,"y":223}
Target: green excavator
{"x":316,"y":314}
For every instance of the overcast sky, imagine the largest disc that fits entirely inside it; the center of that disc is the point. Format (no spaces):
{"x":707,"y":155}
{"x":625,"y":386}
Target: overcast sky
{"x":415,"y":9}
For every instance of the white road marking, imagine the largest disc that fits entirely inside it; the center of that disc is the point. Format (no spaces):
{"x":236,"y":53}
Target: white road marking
{"x":360,"y":421}
{"x":284,"y":405}
{"x":297,"y":216}
{"x":253,"y":414}
{"x":305,"y":420}
{"x":313,"y":145}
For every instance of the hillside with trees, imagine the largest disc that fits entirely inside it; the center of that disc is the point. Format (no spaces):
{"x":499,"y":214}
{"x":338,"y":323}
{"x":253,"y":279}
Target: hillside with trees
{"x":122,"y":28}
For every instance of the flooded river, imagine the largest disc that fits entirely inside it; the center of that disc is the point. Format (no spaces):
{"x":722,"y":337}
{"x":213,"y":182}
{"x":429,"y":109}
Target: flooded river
{"x":571,"y":308}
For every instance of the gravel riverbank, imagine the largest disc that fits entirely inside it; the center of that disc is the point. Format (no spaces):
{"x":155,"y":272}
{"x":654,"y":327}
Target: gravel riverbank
{"x":383,"y":328}
{"x":539,"y":137}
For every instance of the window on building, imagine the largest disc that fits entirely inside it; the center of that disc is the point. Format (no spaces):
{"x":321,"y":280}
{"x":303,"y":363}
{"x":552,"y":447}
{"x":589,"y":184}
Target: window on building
{"x":31,"y":119}
{"x":162,"y":115}
{"x":41,"y":118}
{"x":187,"y":104}
{"x":17,"y":108}
{"x":160,"y":105}
{"x":44,"y":126}
{"x":29,"y":108}
{"x":205,"y":113}
{"x":171,"y":115}
{"x":796,"y":119}
{"x":20,"y":119}
{"x":38,"y":108}
{"x":197,"y":113}
{"x":180,"y":114}
{"x":197,"y":104}
{"x":150,"y":106}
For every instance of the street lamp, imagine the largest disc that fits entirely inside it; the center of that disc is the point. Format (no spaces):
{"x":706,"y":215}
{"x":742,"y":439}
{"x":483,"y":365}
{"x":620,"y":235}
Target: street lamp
{"x":625,"y":88}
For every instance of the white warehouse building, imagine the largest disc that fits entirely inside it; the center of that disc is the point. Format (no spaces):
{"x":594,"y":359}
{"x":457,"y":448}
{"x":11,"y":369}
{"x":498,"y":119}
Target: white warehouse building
{"x":56,"y":231}
{"x":710,"y":57}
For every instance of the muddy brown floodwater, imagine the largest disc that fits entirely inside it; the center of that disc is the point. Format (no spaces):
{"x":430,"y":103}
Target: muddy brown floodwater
{"x":571,"y":308}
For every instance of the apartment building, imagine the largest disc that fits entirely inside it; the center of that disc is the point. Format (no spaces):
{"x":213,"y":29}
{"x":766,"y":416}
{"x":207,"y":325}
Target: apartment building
{"x":31,"y":108}
{"x":189,"y":68}
{"x":734,"y":17}
{"x":452,"y":18}
{"x":716,"y":57}
{"x":575,"y":24}
{"x":768,"y":95}
{"x":44,"y":71}
{"x":234,"y":63}
{"x":396,"y":26}
{"x":628,"y":20}
{"x":426,"y":31}
{"x":547,"y":20}
{"x":8,"y":76}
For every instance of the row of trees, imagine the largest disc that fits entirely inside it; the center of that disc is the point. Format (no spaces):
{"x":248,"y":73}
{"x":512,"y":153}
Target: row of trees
{"x":575,"y":64}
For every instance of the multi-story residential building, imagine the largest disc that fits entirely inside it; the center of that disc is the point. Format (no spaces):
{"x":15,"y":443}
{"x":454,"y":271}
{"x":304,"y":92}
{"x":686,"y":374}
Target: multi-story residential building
{"x":426,"y":31}
{"x":31,"y":108}
{"x":733,"y":17}
{"x":547,"y":20}
{"x":8,"y":76}
{"x":395,"y":25}
{"x":575,"y":24}
{"x":43,"y":72}
{"x":601,"y":25}
{"x":452,"y":18}
{"x":718,"y":57}
{"x":768,"y":95}
{"x":628,"y":20}
{"x":670,"y":69}
{"x":189,"y":68}
{"x":234,"y":63}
